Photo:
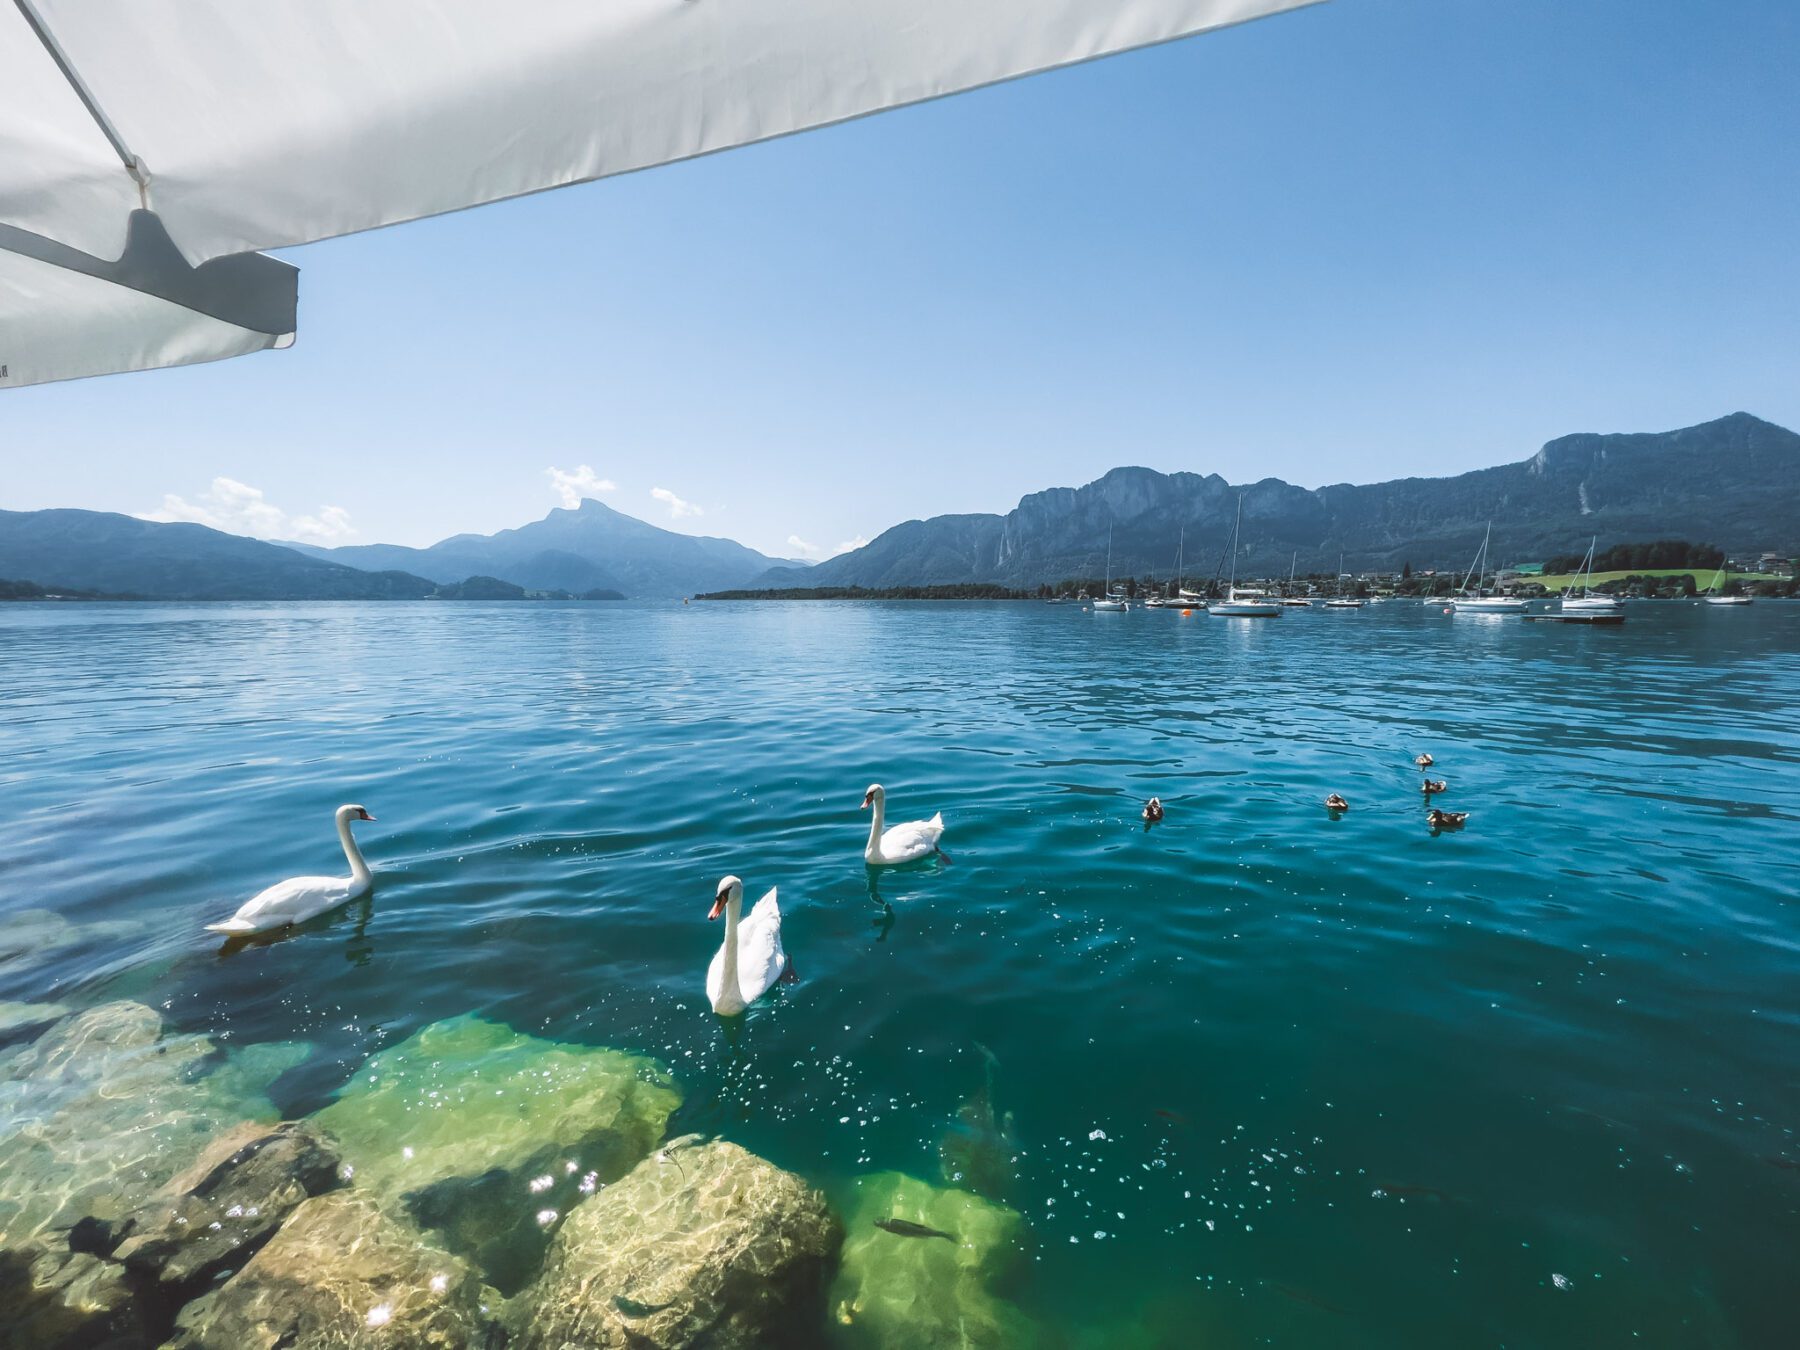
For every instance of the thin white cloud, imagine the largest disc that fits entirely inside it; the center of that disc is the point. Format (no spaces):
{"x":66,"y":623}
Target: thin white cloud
{"x":850,"y":545}
{"x":238,"y":508}
{"x":581,"y":481}
{"x":677,"y":507}
{"x":802,"y":549}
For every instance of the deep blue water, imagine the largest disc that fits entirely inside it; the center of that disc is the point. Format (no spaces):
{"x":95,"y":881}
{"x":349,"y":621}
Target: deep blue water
{"x":1231,"y":1045}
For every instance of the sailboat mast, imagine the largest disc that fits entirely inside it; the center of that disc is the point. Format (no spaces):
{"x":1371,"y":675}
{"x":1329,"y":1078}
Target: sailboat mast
{"x":1480,"y":561}
{"x":1236,"y":526}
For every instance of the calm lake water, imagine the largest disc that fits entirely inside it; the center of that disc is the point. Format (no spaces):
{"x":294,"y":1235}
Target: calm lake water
{"x":1274,"y":1078}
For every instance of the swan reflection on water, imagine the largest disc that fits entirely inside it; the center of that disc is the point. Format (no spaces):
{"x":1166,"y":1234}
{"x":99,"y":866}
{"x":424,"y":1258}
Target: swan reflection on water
{"x":359,"y":945}
{"x":873,"y":876}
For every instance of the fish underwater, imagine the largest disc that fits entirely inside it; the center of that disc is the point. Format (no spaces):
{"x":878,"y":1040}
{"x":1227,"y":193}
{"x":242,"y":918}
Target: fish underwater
{"x":632,"y":1308}
{"x":907,"y":1228}
{"x":978,"y":1151}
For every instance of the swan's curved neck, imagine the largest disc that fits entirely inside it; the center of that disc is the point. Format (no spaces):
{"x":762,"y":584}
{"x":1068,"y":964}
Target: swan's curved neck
{"x":877,"y":820}
{"x":728,"y":972}
{"x":358,"y":868}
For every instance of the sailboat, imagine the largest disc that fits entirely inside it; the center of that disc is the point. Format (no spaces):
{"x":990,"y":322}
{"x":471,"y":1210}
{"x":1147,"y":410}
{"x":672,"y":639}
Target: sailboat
{"x":1587,"y":602}
{"x":1290,"y":599}
{"x":1244,"y":604}
{"x":1109,"y":601}
{"x":1342,"y":600}
{"x":1715,"y":593}
{"x":1474,"y":602}
{"x":1184,"y":598}
{"x":1168,"y":600}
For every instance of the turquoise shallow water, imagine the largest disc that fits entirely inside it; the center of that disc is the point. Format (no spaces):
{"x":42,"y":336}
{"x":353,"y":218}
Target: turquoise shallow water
{"x":1274,"y":1078}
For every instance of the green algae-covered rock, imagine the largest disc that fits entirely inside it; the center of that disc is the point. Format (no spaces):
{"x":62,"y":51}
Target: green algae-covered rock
{"x":487,"y":1135}
{"x":105,"y":1108}
{"x":341,"y":1275}
{"x":901,"y":1292}
{"x":706,"y":1245}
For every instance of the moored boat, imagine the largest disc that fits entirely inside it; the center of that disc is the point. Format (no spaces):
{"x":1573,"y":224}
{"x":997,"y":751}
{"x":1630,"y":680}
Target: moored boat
{"x":1715,"y":593}
{"x":1242,"y":604}
{"x":1476,"y":601}
{"x":1587,"y":602}
{"x":1107,"y":600}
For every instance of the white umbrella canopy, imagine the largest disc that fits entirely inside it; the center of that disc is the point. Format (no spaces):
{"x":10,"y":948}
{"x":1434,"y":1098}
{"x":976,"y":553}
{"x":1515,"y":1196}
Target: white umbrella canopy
{"x":203,"y":130}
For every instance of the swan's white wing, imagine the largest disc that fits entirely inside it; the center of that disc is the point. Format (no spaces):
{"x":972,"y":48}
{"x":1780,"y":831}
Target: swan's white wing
{"x":760,"y":957}
{"x":286,"y":902}
{"x":912,"y":840}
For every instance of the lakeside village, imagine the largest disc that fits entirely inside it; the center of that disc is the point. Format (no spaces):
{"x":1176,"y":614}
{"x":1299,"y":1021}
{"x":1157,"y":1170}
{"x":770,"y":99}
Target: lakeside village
{"x":1663,"y":570}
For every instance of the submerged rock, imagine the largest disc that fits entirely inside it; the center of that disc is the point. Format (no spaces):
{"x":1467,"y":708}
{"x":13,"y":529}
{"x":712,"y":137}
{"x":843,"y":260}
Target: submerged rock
{"x":706,"y":1245}
{"x":341,"y":1274}
{"x":978,"y":1151}
{"x":901,"y":1291}
{"x":38,"y":931}
{"x":52,"y":1300}
{"x":17,"y":1017}
{"x":104,"y":1108}
{"x":182,"y":1245}
{"x":488,"y":1136}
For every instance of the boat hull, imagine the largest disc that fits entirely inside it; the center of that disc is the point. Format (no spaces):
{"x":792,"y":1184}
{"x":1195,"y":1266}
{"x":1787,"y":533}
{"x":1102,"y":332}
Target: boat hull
{"x":1491,"y":605}
{"x":1245,"y":609}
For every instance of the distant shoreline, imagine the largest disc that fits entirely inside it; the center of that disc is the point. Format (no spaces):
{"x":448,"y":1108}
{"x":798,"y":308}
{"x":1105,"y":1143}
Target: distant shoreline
{"x":972,"y":591}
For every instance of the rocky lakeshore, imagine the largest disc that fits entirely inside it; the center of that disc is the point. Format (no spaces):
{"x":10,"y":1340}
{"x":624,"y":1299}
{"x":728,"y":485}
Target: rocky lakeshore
{"x":472,"y":1186}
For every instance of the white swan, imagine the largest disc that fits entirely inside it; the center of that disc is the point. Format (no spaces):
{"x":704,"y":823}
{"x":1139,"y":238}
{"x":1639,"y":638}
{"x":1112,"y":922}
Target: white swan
{"x":300,"y":898}
{"x":750,"y":959}
{"x":903,"y":843}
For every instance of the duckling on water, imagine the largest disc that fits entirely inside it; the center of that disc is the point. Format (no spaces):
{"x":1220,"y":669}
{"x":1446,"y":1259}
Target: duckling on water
{"x":1445,"y":820}
{"x":1336,"y":803}
{"x":1424,"y":761}
{"x":1433,"y":785}
{"x":1153,"y":810}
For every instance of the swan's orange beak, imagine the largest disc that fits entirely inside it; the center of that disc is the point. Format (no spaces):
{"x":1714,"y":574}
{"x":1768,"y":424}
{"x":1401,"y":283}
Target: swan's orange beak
{"x":718,"y":907}
{"x":866,"y":800}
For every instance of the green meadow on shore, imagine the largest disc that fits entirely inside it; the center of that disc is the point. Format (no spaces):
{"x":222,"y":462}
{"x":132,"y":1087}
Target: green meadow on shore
{"x":1703,"y":576}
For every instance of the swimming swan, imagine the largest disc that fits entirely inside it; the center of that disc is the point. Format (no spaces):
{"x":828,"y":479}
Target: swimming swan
{"x":904,"y":843}
{"x":300,"y":898}
{"x":750,"y":959}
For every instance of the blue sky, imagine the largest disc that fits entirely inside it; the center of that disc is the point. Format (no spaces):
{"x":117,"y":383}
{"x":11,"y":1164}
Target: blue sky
{"x":1369,"y":239}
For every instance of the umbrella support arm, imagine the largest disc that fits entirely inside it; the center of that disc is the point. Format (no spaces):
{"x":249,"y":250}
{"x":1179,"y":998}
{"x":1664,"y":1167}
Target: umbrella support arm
{"x":135,"y":167}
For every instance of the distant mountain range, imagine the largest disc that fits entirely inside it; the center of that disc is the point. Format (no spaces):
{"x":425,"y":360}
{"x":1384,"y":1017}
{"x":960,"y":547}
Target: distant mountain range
{"x":1733,"y":482}
{"x":589,"y":550}
{"x":101,"y":551}
{"x":575,"y":549}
